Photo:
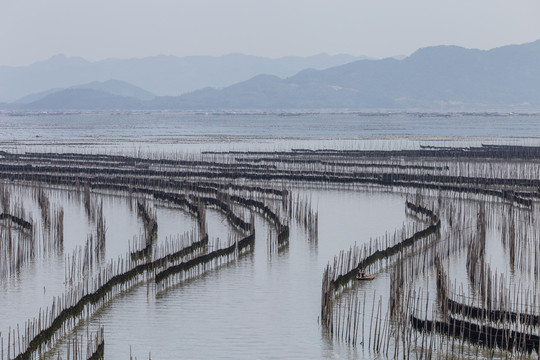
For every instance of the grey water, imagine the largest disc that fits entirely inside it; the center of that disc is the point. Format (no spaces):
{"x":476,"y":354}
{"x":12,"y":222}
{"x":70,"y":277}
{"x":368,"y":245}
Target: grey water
{"x":169,"y":133}
{"x":263,"y":305}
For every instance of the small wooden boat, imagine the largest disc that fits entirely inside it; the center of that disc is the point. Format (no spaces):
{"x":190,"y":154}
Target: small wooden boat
{"x":365,"y":277}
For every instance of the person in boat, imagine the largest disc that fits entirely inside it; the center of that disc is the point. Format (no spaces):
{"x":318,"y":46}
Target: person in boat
{"x":361,"y":272}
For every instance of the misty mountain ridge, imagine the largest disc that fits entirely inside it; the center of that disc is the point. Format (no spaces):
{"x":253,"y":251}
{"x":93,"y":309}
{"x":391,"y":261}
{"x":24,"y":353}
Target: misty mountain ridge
{"x":118,"y":87}
{"x":160,"y":75}
{"x":81,"y":99}
{"x":435,"y":78}
{"x":440,"y":77}
{"x":112,"y":87}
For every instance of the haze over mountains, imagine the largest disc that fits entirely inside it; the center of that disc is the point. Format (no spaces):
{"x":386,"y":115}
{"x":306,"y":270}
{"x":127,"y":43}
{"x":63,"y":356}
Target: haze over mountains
{"x":441,"y":77}
{"x":160,"y":75}
{"x":113,"y":87}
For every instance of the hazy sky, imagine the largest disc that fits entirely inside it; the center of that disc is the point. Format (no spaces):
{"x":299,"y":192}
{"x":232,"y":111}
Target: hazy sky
{"x":32,"y":30}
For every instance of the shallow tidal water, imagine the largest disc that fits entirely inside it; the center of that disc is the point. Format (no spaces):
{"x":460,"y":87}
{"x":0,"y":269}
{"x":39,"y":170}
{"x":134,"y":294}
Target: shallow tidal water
{"x":260,"y":306}
{"x":265,"y":304}
{"x":167,"y":134}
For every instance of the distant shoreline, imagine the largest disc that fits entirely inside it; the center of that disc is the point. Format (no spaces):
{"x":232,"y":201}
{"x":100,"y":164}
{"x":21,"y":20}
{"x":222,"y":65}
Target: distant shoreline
{"x":420,"y":114}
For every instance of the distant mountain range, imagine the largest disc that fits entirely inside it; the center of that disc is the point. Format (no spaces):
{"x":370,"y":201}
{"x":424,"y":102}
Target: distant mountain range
{"x":434,"y":78}
{"x":112,"y":87}
{"x":81,"y":99}
{"x":441,"y":77}
{"x":160,"y":75}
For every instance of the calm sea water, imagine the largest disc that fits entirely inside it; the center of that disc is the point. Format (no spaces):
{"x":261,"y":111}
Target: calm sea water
{"x":170,"y":133}
{"x":262,"y":305}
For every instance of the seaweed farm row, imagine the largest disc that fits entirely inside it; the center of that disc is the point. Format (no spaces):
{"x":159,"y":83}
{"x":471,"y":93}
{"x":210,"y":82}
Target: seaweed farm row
{"x":457,"y":280}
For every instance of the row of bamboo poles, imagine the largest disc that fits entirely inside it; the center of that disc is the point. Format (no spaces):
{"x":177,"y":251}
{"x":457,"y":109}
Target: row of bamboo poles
{"x":22,"y":239}
{"x":302,"y":211}
{"x":347,"y":264}
{"x":91,"y":348}
{"x":488,"y":315}
{"x":219,"y":179}
{"x":393,"y":323}
{"x":86,"y":294}
{"x":417,"y":169}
